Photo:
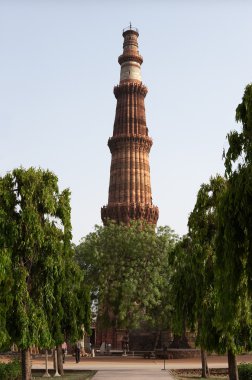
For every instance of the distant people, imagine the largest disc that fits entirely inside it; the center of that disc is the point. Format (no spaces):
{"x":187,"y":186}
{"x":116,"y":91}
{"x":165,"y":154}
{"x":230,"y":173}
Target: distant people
{"x":103,"y":348}
{"x":82,"y":349}
{"x":165,"y":351}
{"x":77,"y":352}
{"x":92,"y":350}
{"x":125,"y":343}
{"x":64,"y":351}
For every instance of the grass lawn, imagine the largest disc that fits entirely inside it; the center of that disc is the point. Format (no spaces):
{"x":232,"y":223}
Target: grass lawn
{"x":195,"y":374}
{"x":201,"y":378}
{"x":69,"y":375}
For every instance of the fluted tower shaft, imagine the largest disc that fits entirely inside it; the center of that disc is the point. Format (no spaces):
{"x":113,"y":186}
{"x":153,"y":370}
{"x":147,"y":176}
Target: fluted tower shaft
{"x":130,"y":187}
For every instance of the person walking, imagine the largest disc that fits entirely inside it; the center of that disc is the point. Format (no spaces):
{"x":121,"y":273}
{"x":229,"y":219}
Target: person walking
{"x":64,"y":351}
{"x":77,"y":352}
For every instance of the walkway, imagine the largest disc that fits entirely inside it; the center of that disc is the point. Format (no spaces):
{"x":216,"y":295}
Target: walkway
{"x":133,"y":374}
{"x":125,"y":368}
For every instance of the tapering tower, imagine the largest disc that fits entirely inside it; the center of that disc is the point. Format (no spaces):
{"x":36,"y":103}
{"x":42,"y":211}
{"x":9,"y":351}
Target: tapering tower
{"x":130,"y":188}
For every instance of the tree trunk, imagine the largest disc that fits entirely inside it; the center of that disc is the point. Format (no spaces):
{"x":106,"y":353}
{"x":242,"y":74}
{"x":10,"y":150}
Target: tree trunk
{"x":158,"y":334}
{"x":179,"y":342}
{"x":26,"y":364}
{"x":205,"y":370}
{"x":232,"y":366}
{"x":46,"y":374}
{"x":60,"y":360}
{"x":53,"y":355}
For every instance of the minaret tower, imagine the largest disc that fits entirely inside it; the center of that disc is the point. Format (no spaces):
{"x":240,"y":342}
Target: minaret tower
{"x":130,"y":188}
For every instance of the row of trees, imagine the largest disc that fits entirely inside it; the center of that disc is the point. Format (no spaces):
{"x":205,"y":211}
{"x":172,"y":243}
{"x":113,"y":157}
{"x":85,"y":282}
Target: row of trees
{"x":44,"y":298}
{"x":202,"y":281}
{"x":214,"y":260}
{"x":232,"y":244}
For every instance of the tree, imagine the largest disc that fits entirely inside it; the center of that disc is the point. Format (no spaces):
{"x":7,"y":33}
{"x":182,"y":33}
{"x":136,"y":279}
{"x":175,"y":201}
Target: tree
{"x":35,"y":238}
{"x":202,"y":225}
{"x":160,"y":316}
{"x":74,"y":301}
{"x":118,"y":260}
{"x":182,"y":291}
{"x":234,"y":239}
{"x":6,"y":297}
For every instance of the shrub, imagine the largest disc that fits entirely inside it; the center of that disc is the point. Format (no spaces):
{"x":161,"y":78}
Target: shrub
{"x":10,"y":371}
{"x":245,"y":371}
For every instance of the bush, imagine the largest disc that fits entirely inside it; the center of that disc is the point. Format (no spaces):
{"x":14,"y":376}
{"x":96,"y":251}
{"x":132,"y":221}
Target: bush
{"x":245,"y":371}
{"x":10,"y":371}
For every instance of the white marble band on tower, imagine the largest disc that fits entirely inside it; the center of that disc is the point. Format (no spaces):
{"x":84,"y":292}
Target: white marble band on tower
{"x":130,"y":71}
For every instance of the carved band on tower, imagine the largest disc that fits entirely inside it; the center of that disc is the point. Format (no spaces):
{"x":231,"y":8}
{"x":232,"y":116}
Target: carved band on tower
{"x":130,"y":188}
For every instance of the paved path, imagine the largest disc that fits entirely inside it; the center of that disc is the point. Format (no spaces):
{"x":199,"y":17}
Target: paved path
{"x":125,"y":368}
{"x":133,"y":374}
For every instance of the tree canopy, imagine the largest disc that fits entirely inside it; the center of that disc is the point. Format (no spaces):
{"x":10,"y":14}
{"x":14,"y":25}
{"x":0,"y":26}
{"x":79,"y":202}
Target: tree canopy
{"x":203,"y":224}
{"x":234,"y":243}
{"x":234,"y":238}
{"x":36,"y":259}
{"x":126,"y":267}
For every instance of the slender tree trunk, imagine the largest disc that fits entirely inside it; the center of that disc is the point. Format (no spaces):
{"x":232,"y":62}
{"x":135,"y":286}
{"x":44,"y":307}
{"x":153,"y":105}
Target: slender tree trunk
{"x":232,"y":366}
{"x":205,"y":370}
{"x":180,"y":341}
{"x":184,"y":338}
{"x":60,"y":360}
{"x":46,"y":374}
{"x":26,"y":364}
{"x":53,"y":355}
{"x":158,"y":333}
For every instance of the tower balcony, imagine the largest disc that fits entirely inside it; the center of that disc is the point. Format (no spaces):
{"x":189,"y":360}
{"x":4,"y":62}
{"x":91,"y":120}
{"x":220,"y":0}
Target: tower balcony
{"x":124,"y":213}
{"x":130,"y":29}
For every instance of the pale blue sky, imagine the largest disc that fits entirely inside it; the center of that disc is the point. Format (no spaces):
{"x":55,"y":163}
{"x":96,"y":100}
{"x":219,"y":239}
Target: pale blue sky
{"x":58,"y":66}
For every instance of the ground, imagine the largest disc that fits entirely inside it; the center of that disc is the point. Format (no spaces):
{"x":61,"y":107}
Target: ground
{"x":69,"y":375}
{"x":195,"y":374}
{"x":137,"y":368}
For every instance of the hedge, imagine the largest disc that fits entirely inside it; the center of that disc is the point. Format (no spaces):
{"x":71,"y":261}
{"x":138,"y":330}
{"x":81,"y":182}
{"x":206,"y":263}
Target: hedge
{"x":245,"y":371}
{"x":10,"y":371}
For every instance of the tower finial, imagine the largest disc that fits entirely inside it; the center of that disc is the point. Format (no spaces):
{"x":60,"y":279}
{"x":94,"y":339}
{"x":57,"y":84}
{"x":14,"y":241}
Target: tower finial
{"x":130,"y":24}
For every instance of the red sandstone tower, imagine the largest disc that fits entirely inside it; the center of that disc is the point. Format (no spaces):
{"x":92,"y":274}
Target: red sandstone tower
{"x":130,"y":188}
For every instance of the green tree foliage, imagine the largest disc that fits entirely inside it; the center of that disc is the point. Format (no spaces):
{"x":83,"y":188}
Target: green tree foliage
{"x":76,"y":301}
{"x":160,"y":316}
{"x":6,"y":297}
{"x":10,"y":371}
{"x":202,"y":225}
{"x":125,"y":266}
{"x":182,"y":290}
{"x":234,"y":242}
{"x":36,"y":260}
{"x":240,"y":144}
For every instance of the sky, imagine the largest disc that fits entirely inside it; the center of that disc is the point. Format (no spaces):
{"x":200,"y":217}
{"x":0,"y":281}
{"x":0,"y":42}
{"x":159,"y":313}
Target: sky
{"x":58,"y":67}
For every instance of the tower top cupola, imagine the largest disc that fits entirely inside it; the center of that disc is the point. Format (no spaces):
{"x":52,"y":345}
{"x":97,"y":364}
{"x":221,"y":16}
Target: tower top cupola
{"x":130,"y":60}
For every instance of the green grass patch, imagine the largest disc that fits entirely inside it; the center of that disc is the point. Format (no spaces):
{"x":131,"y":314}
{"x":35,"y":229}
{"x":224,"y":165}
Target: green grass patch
{"x":201,"y":378}
{"x":195,"y":374}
